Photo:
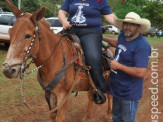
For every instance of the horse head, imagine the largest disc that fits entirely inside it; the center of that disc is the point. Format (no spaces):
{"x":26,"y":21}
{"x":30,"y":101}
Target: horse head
{"x":24,"y":40}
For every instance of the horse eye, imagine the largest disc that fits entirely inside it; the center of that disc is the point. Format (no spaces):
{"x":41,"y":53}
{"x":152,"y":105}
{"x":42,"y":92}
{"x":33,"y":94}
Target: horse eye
{"x":27,"y":36}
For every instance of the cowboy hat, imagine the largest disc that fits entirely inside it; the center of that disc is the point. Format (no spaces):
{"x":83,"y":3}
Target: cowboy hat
{"x":133,"y":17}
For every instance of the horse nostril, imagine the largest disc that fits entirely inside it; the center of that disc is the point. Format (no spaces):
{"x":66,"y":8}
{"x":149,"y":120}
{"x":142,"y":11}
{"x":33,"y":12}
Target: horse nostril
{"x":9,"y":71}
{"x":13,"y":71}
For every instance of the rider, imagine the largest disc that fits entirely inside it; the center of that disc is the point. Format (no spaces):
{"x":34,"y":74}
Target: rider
{"x":87,"y":16}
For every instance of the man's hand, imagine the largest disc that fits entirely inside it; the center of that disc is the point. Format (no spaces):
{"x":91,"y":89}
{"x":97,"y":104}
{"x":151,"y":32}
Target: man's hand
{"x":114,"y":65}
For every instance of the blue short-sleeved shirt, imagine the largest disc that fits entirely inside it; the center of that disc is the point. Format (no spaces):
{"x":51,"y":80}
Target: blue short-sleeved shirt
{"x":134,"y":53}
{"x":86,"y":13}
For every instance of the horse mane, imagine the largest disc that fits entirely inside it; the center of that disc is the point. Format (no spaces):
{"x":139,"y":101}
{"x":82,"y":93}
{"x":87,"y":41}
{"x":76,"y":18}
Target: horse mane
{"x":45,"y":23}
{"x":42,"y":21}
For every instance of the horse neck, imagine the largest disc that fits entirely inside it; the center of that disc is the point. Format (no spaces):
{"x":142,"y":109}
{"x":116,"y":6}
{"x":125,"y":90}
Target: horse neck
{"x":50,"y":53}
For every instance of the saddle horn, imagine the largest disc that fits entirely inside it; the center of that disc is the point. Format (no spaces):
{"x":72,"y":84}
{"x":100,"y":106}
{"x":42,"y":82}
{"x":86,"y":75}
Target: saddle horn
{"x":17,"y":12}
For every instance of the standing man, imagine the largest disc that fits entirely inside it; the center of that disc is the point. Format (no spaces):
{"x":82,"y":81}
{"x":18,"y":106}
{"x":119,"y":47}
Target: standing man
{"x":129,"y":66}
{"x":159,"y":33}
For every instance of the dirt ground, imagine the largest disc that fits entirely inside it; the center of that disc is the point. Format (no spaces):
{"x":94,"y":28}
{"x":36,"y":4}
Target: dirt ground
{"x":76,"y":108}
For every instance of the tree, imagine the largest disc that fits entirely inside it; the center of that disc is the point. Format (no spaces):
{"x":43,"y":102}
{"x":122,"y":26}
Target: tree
{"x":26,"y":5}
{"x":154,"y":12}
{"x":4,"y":6}
{"x":121,"y":9}
{"x":30,"y":5}
{"x":128,"y":6}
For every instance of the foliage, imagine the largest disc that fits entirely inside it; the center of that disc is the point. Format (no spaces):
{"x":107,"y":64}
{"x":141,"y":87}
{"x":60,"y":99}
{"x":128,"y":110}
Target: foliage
{"x":49,"y":8}
{"x":3,"y":5}
{"x":52,"y":6}
{"x":154,"y":12}
{"x":121,"y":9}
{"x":113,"y":4}
{"x":128,"y":6}
{"x":150,"y":10}
{"x":29,"y":5}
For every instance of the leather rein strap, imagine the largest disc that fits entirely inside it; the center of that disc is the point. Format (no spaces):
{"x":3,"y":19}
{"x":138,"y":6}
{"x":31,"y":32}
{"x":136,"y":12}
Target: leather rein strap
{"x":57,"y":78}
{"x":54,"y":82}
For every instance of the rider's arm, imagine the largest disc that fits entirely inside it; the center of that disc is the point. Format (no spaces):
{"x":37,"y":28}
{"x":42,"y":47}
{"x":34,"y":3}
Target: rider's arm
{"x":109,"y":18}
{"x":111,"y":41}
{"x":63,"y":19}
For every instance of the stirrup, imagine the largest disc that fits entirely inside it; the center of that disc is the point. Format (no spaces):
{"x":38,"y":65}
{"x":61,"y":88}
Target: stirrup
{"x":101,"y":94}
{"x":97,"y":96}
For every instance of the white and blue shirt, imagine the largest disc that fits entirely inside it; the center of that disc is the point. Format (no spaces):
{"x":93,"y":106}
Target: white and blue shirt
{"x":86,"y":13}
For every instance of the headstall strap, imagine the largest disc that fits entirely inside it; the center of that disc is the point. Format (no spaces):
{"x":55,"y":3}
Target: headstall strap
{"x":29,"y":54}
{"x":39,"y":31}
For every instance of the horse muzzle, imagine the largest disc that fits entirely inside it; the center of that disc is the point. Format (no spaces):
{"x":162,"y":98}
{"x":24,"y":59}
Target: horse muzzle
{"x":10,"y":71}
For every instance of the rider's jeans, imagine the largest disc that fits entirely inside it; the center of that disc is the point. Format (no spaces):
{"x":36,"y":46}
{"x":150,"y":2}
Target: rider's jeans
{"x":124,"y":111}
{"x":91,"y":41}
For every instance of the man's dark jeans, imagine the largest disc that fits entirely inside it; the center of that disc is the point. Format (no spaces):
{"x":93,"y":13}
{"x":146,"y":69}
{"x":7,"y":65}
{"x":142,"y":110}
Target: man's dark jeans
{"x":124,"y":111}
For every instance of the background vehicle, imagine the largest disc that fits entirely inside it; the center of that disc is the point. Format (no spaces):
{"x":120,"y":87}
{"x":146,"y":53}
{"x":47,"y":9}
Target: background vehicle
{"x":150,"y":33}
{"x":56,"y":26}
{"x":6,"y":22}
{"x":111,"y":29}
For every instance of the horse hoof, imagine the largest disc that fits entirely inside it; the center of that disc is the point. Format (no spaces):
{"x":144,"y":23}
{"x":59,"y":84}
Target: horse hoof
{"x":53,"y":115}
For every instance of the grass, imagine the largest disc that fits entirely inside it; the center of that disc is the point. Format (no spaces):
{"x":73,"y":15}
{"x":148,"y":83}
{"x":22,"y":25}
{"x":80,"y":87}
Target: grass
{"x":10,"y":89}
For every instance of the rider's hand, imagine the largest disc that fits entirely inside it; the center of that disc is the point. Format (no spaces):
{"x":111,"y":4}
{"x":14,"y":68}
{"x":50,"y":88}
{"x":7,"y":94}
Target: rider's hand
{"x":66,"y":25}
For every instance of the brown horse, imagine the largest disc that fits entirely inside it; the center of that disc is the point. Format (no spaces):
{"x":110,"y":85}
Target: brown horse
{"x":30,"y":37}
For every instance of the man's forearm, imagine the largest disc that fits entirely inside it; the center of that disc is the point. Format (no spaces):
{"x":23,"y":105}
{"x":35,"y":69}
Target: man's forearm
{"x":111,"y":41}
{"x":133,"y":71}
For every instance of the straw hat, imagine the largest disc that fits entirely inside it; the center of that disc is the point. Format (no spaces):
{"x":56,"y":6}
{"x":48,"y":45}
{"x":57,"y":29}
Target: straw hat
{"x":133,"y":17}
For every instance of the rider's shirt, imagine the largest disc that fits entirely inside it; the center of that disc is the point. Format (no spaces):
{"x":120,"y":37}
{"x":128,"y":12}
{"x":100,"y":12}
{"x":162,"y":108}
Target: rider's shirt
{"x":86,"y":13}
{"x":134,"y":53}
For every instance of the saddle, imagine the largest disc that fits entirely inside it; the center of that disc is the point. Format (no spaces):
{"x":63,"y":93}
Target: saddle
{"x":107,"y":54}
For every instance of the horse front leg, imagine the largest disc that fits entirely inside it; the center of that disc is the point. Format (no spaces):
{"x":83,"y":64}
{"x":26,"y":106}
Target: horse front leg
{"x":59,"y":114}
{"x":89,"y":107}
{"x":53,"y":104}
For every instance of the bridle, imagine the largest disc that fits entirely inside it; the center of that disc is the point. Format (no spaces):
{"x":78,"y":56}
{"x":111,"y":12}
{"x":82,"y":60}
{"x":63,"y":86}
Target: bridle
{"x":28,"y":53}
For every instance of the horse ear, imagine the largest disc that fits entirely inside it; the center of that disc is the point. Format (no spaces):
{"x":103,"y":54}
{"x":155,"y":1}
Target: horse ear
{"x":38,"y":15}
{"x":17,"y":12}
